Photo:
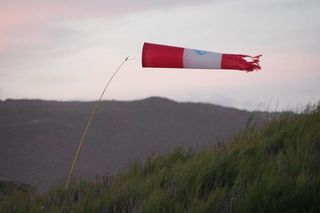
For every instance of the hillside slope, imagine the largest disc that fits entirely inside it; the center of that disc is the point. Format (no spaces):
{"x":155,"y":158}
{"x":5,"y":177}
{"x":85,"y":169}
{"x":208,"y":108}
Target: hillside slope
{"x":38,"y":138}
{"x":271,"y":169}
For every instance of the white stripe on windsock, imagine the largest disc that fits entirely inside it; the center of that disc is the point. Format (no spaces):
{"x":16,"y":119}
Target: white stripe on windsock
{"x":201,"y":59}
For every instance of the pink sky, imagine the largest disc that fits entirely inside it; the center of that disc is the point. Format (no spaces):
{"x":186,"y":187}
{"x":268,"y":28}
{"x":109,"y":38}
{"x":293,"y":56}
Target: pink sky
{"x":67,"y":50}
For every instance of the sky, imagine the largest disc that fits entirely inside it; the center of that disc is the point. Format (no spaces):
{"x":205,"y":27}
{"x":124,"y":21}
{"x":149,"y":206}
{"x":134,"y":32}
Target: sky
{"x":67,"y":50}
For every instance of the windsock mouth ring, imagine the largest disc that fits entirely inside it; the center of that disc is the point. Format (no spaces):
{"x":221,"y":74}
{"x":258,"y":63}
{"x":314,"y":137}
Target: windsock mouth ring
{"x":144,"y":54}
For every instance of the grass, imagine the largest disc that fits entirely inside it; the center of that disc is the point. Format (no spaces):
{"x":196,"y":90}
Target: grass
{"x":270,"y":169}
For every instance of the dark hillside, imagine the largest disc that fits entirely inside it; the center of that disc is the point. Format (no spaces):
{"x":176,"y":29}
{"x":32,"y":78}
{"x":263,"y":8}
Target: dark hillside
{"x":38,"y":138}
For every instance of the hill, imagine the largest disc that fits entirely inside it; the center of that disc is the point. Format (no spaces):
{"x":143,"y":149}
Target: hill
{"x":39,"y":138}
{"x":275,"y":168}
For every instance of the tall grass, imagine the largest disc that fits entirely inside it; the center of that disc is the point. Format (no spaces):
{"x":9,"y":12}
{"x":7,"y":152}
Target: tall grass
{"x":270,"y":169}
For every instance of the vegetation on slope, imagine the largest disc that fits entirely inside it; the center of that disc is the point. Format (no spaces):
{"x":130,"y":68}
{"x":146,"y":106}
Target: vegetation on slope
{"x":275,"y":168}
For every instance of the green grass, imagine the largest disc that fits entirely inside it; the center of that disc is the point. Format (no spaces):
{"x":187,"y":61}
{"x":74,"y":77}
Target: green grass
{"x":270,"y":169}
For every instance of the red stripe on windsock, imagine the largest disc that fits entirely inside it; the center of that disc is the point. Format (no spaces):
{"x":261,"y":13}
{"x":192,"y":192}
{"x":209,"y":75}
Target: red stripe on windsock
{"x":240,"y":62}
{"x":155,"y":55}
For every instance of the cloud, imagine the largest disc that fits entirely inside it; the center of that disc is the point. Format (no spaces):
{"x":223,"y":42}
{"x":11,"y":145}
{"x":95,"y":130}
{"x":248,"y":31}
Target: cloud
{"x":28,"y":27}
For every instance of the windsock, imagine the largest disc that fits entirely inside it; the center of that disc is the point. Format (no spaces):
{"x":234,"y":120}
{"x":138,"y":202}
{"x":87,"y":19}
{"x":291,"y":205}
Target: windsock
{"x":163,"y":56}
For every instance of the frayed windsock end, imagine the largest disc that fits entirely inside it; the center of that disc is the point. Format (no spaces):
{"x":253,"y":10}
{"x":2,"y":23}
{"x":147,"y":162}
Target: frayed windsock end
{"x":241,"y":62}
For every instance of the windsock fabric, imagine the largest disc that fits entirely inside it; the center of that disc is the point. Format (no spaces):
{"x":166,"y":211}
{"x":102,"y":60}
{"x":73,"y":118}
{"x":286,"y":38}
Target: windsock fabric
{"x":163,"y":56}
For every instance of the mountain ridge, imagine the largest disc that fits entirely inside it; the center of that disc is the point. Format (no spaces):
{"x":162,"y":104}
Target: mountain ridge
{"x":39,"y":138}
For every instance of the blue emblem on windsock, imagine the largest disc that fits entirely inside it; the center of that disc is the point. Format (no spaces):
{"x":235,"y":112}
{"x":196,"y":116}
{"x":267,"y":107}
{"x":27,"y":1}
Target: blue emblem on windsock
{"x":200,"y":52}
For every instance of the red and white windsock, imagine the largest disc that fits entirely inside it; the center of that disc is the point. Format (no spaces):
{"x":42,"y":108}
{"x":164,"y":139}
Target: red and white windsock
{"x":162,"y":56}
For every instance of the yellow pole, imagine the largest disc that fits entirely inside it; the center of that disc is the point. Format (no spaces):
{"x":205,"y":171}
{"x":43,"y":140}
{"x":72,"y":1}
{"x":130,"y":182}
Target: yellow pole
{"x":75,"y":160}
